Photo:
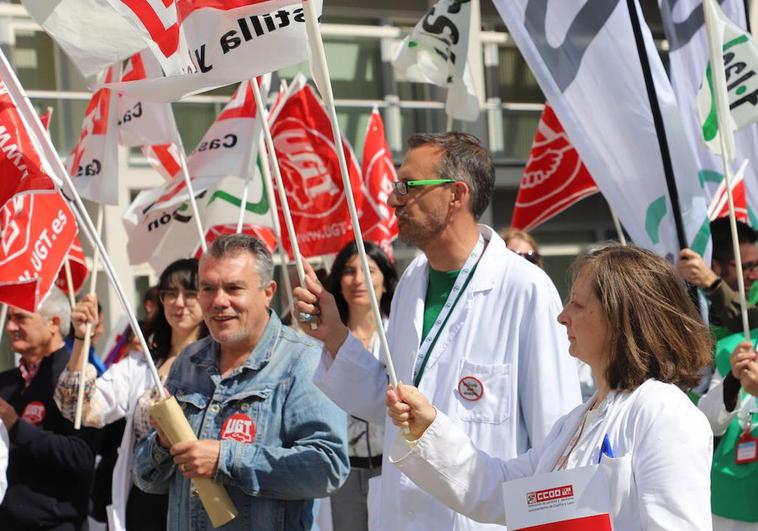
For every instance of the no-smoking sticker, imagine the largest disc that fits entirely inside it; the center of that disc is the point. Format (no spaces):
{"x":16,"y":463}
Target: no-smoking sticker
{"x":470,"y":388}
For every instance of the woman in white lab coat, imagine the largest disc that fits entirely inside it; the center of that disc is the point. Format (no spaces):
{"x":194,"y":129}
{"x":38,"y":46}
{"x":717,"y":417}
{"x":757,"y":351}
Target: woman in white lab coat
{"x":631,"y":319}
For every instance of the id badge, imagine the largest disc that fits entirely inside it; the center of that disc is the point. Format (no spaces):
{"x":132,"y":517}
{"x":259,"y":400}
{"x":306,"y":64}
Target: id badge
{"x":746,"y":450}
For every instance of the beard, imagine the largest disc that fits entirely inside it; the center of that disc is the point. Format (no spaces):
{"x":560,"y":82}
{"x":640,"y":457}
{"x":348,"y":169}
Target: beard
{"x":420,"y":234}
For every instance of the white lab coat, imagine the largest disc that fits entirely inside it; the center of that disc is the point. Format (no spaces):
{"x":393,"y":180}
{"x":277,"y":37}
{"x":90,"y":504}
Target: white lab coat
{"x":504,"y":333}
{"x":659,"y":476}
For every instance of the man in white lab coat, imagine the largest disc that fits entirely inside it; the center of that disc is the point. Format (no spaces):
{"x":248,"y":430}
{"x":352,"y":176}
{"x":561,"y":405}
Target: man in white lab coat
{"x":473,"y":325}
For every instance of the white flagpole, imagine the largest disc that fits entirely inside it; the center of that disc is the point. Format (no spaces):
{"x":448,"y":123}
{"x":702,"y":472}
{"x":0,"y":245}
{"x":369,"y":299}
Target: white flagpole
{"x":280,"y":186}
{"x":3,"y":317}
{"x":87,"y":341}
{"x":320,"y":68}
{"x":266,"y":172}
{"x":190,"y":190}
{"x":80,"y":212}
{"x":617,"y":225}
{"x":69,"y":283}
{"x":726,"y":138}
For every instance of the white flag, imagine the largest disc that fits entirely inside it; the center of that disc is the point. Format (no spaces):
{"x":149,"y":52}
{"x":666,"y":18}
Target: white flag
{"x":737,"y":69}
{"x":143,"y":123}
{"x":93,"y":163}
{"x":684,"y":25}
{"x":586,"y":62}
{"x":160,"y":236}
{"x":204,"y":45}
{"x":89,"y":31}
{"x":436,"y":52}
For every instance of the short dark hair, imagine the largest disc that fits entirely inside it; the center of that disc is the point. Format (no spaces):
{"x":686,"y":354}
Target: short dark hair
{"x":232,"y":244}
{"x":338,"y":270}
{"x":157,"y":331}
{"x":464,"y":158}
{"x":655,"y":328}
{"x":721,"y":236}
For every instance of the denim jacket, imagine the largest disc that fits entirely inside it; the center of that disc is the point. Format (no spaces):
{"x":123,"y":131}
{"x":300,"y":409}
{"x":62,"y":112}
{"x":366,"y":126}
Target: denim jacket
{"x":299,"y":450}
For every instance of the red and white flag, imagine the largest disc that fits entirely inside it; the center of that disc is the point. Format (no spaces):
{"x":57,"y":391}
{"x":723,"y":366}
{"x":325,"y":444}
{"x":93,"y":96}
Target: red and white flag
{"x":308,"y":162}
{"x":554,"y":176}
{"x":203,"y":44}
{"x":719,"y":205}
{"x":37,"y":226}
{"x":45,"y":118}
{"x":93,"y":163}
{"x":142,"y":123}
{"x":77,"y":264}
{"x":378,"y":221}
{"x":227,"y":148}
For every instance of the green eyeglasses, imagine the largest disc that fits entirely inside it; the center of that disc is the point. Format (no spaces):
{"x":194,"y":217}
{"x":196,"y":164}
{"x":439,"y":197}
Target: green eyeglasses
{"x":401,"y":187}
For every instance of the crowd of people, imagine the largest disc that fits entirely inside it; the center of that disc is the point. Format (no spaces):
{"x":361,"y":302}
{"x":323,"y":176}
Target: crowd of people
{"x":298,"y":423}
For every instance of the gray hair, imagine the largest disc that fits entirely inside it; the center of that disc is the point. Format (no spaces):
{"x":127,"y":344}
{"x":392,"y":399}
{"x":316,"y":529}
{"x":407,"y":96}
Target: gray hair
{"x":233,"y":244}
{"x":464,"y":158}
{"x":56,"y":304}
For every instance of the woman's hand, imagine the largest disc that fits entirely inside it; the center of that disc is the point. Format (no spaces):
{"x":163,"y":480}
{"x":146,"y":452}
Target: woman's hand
{"x":85,"y":311}
{"x":408,"y":408}
{"x":741,"y":357}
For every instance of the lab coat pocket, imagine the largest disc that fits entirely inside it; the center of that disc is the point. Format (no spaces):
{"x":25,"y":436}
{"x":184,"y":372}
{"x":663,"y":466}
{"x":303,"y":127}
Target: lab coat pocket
{"x":619,"y":472}
{"x":484,"y":392}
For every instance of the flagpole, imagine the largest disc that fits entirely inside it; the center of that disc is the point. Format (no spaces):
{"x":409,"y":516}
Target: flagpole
{"x":243,"y":203}
{"x":31,"y":119}
{"x":323,"y":82}
{"x":269,"y":186}
{"x":3,"y":317}
{"x":660,"y":128}
{"x":617,"y":224}
{"x":280,"y":189}
{"x":190,"y":190}
{"x":726,"y":140}
{"x":87,"y":341}
{"x":69,"y":283}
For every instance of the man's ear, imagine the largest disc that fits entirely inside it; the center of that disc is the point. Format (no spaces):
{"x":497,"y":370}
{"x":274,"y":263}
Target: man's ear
{"x":461,"y":193}
{"x":55,"y":323}
{"x":269,"y":291}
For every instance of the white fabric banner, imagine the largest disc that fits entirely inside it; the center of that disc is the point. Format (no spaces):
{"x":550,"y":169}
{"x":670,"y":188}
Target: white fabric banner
{"x":585,"y":59}
{"x":684,"y":25}
{"x":436,"y":51}
{"x":206,"y":44}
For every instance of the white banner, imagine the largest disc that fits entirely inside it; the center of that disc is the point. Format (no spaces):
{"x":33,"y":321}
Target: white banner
{"x":585,"y":59}
{"x":204,"y":44}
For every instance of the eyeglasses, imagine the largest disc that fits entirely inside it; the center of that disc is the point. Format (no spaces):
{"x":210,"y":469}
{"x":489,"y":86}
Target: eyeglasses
{"x":401,"y":187}
{"x":747,"y":267}
{"x":531,"y":256}
{"x":170,"y":296}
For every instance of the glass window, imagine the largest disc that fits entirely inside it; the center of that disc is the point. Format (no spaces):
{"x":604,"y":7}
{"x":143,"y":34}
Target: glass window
{"x":33,"y":58}
{"x":515,"y":79}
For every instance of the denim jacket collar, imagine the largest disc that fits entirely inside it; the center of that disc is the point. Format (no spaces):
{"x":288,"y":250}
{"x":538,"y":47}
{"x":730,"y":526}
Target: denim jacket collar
{"x":208,"y":357}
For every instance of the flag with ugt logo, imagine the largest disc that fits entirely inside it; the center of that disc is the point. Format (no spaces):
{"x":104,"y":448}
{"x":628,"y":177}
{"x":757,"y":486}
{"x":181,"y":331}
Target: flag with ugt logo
{"x":93,"y":163}
{"x":554,"y":176}
{"x":37,"y":226}
{"x":308,"y":162}
{"x":378,"y":220}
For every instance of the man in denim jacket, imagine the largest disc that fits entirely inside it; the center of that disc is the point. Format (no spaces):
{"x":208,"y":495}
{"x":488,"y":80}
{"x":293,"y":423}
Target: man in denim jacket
{"x":265,"y":431}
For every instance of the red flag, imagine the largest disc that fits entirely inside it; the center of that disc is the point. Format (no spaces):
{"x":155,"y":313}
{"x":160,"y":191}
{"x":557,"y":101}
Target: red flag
{"x":45,"y":118}
{"x":37,"y":226}
{"x":719,"y":206}
{"x":554,"y":177}
{"x":308,"y":161}
{"x":378,"y":220}
{"x":264,"y":234}
{"x":78,"y":266}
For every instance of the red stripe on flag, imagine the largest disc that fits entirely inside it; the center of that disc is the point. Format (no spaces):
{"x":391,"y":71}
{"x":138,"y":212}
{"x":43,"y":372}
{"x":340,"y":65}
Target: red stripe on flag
{"x":599,"y":522}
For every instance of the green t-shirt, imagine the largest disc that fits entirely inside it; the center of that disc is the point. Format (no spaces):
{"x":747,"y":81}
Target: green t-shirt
{"x":437,"y":291}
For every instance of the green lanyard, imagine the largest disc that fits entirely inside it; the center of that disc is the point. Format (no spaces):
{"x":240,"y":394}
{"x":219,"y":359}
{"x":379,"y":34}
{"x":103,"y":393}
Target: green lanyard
{"x":422,"y":368}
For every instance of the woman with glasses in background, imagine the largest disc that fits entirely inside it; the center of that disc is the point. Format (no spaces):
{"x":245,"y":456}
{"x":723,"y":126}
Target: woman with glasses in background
{"x":126,"y":389}
{"x":523,"y":244}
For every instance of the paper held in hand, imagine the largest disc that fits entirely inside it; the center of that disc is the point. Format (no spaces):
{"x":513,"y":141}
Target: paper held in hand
{"x":569,"y":500}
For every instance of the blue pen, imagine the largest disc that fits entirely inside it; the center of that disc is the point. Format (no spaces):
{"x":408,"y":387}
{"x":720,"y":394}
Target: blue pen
{"x":605,"y":449}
